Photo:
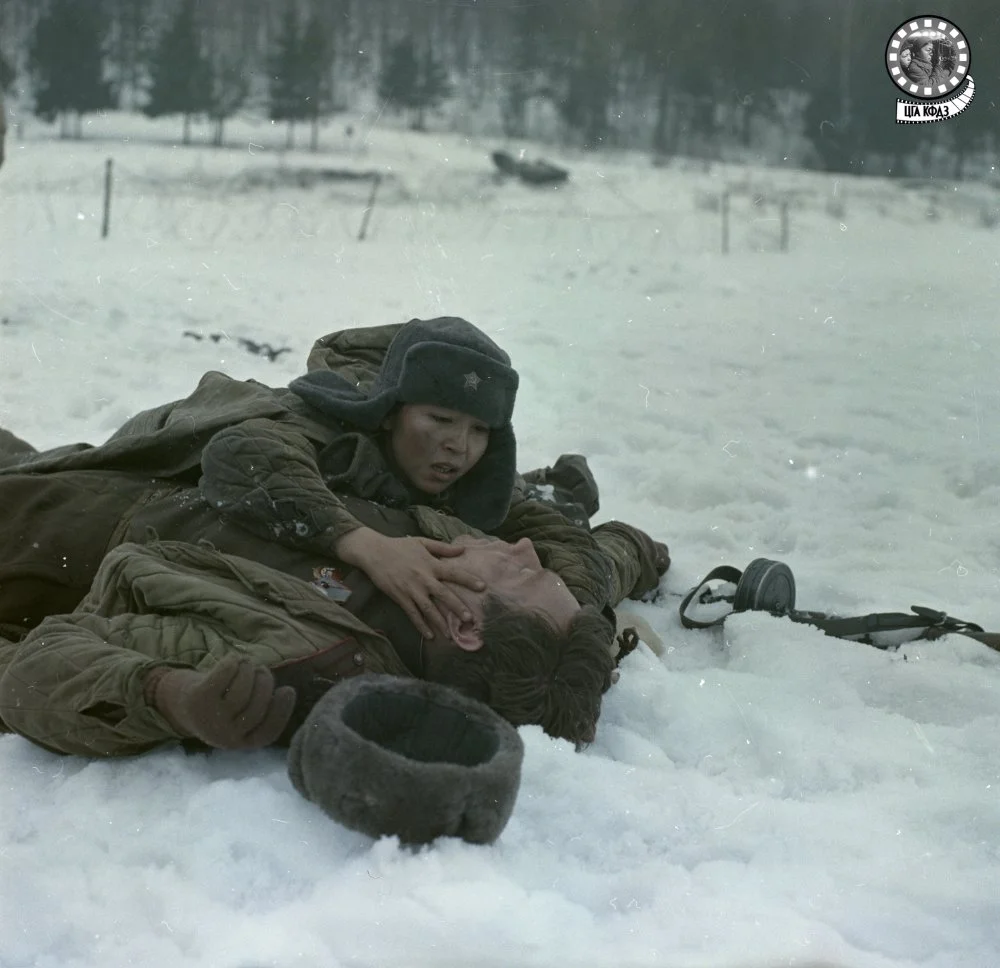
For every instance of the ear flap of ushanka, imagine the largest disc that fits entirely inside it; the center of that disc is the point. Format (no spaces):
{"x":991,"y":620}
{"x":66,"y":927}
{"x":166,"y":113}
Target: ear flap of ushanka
{"x":389,"y":756}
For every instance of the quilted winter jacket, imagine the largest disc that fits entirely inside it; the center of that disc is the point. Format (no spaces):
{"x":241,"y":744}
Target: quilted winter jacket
{"x":254,"y":451}
{"x":571,"y":551}
{"x":269,"y":482}
{"x":75,"y":683}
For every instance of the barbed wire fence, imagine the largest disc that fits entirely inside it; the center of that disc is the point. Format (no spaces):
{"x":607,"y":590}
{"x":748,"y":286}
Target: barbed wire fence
{"x":721,"y":214}
{"x":117,"y":198}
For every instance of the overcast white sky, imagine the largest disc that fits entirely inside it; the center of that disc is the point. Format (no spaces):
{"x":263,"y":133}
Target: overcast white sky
{"x":763,"y":796}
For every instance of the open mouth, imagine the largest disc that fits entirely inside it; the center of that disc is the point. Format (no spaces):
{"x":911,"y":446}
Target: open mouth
{"x":446,"y":471}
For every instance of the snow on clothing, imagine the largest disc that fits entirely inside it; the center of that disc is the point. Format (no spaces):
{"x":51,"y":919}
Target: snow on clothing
{"x":75,"y":684}
{"x":270,"y":462}
{"x":262,"y":458}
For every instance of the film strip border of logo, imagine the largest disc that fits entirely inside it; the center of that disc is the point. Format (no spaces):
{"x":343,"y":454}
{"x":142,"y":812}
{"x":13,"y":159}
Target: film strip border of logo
{"x":964,"y":100}
{"x":931,"y":23}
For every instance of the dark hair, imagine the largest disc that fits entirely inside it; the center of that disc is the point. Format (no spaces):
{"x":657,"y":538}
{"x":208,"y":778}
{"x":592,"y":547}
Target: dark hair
{"x":531,"y":673}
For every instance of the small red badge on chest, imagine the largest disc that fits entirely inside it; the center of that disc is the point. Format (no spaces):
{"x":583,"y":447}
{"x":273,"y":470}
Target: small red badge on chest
{"x":330,"y":581}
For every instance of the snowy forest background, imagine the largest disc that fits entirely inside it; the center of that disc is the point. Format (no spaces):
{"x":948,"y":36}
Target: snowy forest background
{"x":779,"y":82}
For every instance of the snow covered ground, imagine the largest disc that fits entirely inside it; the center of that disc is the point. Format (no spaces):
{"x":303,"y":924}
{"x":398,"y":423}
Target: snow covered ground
{"x":759,"y":797}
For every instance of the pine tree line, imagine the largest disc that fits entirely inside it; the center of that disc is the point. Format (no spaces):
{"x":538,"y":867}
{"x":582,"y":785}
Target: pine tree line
{"x":67,"y":60}
{"x":676,"y":76}
{"x":89,"y":55}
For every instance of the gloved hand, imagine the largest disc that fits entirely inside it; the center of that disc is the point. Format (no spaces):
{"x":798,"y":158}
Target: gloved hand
{"x":574,"y":489}
{"x":661,"y":557}
{"x":235,"y":706}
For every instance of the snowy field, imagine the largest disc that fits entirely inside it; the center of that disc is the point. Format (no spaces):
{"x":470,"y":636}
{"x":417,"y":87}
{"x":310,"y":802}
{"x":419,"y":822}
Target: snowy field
{"x":765,"y":796}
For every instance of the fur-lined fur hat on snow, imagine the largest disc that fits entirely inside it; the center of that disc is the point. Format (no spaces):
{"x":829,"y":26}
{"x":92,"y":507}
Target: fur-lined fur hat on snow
{"x":402,"y":757}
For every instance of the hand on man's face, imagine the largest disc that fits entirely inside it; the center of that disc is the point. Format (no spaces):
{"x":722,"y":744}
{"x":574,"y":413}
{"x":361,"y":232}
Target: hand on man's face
{"x":514,"y":574}
{"x":425,"y":578}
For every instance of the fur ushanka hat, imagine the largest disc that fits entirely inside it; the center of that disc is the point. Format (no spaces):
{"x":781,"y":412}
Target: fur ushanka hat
{"x":446,"y":362}
{"x":390,"y":756}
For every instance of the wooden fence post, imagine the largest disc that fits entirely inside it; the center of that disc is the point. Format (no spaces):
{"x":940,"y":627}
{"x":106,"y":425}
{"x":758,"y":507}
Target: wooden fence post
{"x":371,"y":205}
{"x":724,"y":208}
{"x":106,"y":223}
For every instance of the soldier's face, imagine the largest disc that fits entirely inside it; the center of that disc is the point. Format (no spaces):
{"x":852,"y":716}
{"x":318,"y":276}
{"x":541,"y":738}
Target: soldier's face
{"x":435,"y":446}
{"x":513,"y":573}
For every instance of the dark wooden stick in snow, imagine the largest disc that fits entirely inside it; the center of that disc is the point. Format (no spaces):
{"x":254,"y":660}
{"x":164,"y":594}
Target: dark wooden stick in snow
{"x":724,"y":208}
{"x":106,"y":223}
{"x":376,"y":181}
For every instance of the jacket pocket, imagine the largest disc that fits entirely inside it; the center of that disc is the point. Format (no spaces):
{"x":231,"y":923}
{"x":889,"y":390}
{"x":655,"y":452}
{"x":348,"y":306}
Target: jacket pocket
{"x":312,"y":675}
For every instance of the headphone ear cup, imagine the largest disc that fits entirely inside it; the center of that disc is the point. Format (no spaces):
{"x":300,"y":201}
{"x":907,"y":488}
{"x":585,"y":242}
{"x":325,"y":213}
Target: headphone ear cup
{"x":765,"y":586}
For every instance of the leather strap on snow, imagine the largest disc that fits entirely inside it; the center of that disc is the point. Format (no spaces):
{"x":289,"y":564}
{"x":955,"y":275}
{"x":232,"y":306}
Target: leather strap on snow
{"x":722,"y":573}
{"x":857,"y":627}
{"x":862,"y":627}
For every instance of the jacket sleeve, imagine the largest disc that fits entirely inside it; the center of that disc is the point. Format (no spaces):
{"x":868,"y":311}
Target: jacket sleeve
{"x":75,"y":684}
{"x":564,"y":547}
{"x":637,"y":563}
{"x":601,"y":567}
{"x":263,"y":474}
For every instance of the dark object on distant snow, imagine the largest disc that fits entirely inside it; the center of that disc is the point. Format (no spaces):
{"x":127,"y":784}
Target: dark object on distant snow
{"x":506,"y":163}
{"x":258,"y":349}
{"x":538,"y":172}
{"x":403,"y":757}
{"x":263,"y":349}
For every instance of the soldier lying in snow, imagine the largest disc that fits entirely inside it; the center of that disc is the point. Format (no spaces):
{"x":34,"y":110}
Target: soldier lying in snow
{"x":347,"y":532}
